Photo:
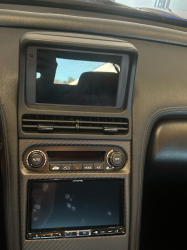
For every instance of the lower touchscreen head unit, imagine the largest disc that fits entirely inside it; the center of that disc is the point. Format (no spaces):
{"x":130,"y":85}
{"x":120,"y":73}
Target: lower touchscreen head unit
{"x":73,"y":208}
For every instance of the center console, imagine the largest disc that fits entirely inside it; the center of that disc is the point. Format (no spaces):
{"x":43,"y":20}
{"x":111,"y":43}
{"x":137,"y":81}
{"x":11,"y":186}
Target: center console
{"x":74,"y":158}
{"x":75,"y":109}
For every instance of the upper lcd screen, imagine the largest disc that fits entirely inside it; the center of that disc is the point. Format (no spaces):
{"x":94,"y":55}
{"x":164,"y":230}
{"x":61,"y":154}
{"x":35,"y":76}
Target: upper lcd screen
{"x":75,"y":204}
{"x":77,"y":78}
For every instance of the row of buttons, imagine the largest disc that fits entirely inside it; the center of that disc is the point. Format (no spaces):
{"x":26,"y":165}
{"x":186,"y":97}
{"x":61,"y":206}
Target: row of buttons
{"x":94,"y":232}
{"x":76,"y":233}
{"x":108,"y":231}
{"x":36,"y":236}
{"x":76,"y":166}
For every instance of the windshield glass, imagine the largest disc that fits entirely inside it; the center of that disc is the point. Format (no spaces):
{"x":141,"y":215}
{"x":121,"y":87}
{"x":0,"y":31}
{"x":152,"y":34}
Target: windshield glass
{"x":160,"y":10}
{"x":175,"y":8}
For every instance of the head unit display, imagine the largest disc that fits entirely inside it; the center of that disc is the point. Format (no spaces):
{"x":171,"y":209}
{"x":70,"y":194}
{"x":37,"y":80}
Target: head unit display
{"x":61,"y":207}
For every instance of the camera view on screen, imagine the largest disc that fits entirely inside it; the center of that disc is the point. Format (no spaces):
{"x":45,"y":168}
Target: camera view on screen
{"x":74,"y":78}
{"x":76,"y":203}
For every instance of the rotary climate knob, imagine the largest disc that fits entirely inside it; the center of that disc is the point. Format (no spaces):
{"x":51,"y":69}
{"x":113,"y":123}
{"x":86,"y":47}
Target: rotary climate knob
{"x":115,"y":159}
{"x":36,"y":159}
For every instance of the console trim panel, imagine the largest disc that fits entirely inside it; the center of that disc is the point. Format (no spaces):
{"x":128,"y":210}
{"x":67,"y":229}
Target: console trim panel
{"x":96,"y":242}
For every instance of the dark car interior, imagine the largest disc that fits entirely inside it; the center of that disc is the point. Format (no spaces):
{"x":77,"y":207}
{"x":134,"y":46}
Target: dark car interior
{"x":93,"y":126}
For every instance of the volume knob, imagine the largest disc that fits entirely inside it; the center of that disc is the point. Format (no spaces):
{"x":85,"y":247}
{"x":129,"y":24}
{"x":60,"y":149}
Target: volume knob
{"x":115,"y":159}
{"x":36,"y":158}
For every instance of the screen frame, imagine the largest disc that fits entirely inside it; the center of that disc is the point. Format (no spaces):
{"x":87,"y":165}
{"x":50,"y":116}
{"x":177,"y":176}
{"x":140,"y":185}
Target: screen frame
{"x":122,"y":207}
{"x":31,"y":63}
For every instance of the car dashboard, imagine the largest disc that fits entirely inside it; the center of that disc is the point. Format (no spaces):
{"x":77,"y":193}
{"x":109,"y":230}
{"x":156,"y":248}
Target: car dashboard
{"x":93,"y":126}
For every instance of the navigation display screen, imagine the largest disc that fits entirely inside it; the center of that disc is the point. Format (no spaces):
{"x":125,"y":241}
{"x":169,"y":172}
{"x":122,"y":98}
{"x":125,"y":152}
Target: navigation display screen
{"x":75,"y":203}
{"x":77,"y":78}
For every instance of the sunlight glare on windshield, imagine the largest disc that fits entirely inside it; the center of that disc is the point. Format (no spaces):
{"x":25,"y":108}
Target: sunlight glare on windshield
{"x":176,"y":7}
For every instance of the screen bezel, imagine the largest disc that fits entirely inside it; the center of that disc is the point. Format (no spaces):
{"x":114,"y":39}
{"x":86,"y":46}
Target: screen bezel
{"x":31,"y":63}
{"x":121,"y":206}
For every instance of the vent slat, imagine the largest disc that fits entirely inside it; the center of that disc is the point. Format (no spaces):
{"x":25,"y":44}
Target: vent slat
{"x":68,"y":127}
{"x":80,"y":127}
{"x":48,"y":121}
{"x":29,"y":126}
{"x":64,"y":127}
{"x":76,"y":124}
{"x":79,"y":121}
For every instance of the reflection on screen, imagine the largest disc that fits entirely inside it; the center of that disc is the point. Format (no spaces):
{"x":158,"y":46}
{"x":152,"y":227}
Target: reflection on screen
{"x":77,"y":78}
{"x":69,"y":204}
{"x":69,"y":71}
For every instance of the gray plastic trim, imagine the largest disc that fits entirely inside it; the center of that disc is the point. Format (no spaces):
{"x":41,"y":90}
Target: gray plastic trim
{"x":61,"y":22}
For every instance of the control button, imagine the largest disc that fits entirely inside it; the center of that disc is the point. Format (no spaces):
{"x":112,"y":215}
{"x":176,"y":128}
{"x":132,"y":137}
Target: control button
{"x":36,"y":236}
{"x":102,"y":232}
{"x":47,"y":235}
{"x":119,"y":231}
{"x":98,"y":166}
{"x":70,"y":233}
{"x":36,"y":159}
{"x":29,"y":235}
{"x":117,"y":159}
{"x":84,"y":233}
{"x":66,"y":167}
{"x":55,"y":167}
{"x":57,"y":235}
{"x":87,"y":166}
{"x":109,"y":231}
{"x":116,"y":231}
{"x":122,"y":230}
{"x":108,"y":167}
{"x":77,"y":166}
{"x":95,"y":232}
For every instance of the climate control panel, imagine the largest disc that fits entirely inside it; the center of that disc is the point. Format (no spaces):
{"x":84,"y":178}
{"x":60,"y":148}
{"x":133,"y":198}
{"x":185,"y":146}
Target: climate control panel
{"x":74,"y":158}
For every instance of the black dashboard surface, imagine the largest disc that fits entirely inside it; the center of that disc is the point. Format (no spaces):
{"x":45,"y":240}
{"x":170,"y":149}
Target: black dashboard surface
{"x":160,"y":91}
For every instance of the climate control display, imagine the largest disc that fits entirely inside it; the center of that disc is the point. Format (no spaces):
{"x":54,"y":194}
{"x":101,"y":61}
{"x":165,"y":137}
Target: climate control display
{"x":74,"y":158}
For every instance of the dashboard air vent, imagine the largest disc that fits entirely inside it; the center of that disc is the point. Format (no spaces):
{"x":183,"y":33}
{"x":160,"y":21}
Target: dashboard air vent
{"x":74,"y":124}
